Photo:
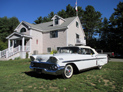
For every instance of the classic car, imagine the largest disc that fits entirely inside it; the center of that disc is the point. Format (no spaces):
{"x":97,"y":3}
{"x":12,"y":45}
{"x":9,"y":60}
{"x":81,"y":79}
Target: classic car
{"x":68,"y":60}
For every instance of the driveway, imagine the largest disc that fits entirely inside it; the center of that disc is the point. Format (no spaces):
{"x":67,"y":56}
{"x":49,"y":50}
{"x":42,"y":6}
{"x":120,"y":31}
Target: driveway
{"x":116,"y":60}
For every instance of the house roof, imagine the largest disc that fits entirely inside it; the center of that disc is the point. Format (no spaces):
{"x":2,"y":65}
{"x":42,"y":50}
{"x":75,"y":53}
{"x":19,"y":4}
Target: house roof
{"x":48,"y":26}
{"x":58,"y":17}
{"x":15,"y":34}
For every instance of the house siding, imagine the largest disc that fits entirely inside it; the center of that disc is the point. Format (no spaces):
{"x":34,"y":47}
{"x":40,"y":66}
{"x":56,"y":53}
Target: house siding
{"x":53,"y":43}
{"x":73,"y":30}
{"x":60,"y":21}
{"x":36,"y":41}
{"x":23,"y":26}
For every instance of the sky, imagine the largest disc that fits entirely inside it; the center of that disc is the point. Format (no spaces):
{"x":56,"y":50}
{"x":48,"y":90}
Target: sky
{"x":30,"y":10}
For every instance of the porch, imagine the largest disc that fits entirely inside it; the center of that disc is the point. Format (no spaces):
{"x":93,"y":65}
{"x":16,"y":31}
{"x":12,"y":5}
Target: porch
{"x":18,"y":46}
{"x":9,"y":52}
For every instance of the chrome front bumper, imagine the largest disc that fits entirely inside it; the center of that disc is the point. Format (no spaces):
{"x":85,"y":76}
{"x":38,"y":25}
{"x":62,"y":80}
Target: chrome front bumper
{"x":47,"y":70}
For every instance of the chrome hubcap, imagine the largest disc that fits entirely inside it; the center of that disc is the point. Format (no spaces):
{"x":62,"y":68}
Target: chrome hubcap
{"x":68,"y":71}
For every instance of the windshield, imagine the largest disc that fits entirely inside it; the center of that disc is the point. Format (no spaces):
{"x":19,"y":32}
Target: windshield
{"x":69,"y":50}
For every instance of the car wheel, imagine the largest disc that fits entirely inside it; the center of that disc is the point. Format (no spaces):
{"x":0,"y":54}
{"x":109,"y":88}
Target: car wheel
{"x":68,"y":72}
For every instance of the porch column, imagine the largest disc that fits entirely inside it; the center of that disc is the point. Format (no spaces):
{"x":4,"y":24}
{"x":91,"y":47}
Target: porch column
{"x":0,"y":54}
{"x":8,"y":44}
{"x":23,"y":43}
{"x":12,"y":45}
{"x":23,"y":53}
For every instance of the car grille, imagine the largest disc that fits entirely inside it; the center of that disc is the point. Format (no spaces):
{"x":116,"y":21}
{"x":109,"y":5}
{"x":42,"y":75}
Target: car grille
{"x":41,"y":65}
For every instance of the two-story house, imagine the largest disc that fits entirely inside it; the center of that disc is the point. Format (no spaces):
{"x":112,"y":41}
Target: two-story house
{"x":44,"y":37}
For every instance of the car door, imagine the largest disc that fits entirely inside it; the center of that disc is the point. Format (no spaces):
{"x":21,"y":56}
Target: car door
{"x":88,"y":59}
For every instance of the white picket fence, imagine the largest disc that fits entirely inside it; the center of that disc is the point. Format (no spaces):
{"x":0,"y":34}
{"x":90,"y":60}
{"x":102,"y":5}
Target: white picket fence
{"x":12,"y":51}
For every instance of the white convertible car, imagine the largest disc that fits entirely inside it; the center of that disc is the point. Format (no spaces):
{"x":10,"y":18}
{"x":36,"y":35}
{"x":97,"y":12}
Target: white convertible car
{"x":68,"y":60}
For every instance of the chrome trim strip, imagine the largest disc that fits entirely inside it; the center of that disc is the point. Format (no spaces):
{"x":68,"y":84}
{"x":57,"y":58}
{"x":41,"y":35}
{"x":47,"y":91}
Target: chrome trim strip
{"x":82,"y":60}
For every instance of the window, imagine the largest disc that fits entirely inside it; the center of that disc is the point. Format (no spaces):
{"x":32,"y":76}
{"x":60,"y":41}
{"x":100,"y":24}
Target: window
{"x":56,"y":21}
{"x":87,"y":51}
{"x":53,"y":34}
{"x":69,"y":50}
{"x":22,"y":30}
{"x":77,"y":36}
{"x":58,"y":48}
{"x":48,"y":49}
{"x":77,"y":24}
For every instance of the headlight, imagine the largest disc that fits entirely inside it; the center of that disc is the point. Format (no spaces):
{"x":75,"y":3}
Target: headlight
{"x":32,"y":58}
{"x":52,"y":60}
{"x":32,"y":64}
{"x":54,"y":67}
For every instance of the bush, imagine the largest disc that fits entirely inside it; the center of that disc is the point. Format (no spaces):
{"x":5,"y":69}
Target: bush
{"x":53,"y":52}
{"x":27,"y":55}
{"x":17,"y":58}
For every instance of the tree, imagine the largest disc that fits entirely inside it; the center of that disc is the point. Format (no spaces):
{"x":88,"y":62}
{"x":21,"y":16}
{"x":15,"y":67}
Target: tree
{"x":104,"y":35}
{"x":116,"y":29}
{"x":70,"y":11}
{"x":91,"y":21}
{"x":3,"y":45}
{"x":50,"y":16}
{"x":46,"y":19}
{"x":39,"y":20}
{"x":7,"y":26}
{"x":62,"y":13}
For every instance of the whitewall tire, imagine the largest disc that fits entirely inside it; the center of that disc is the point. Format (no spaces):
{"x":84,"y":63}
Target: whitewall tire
{"x":68,"y":71}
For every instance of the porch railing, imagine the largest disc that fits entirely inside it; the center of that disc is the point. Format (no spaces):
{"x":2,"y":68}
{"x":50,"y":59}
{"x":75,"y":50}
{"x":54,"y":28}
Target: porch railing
{"x":3,"y":53}
{"x":12,"y":51}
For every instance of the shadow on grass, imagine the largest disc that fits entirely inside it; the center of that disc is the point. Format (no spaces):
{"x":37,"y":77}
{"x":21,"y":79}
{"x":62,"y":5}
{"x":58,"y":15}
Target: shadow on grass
{"x":43,"y":76}
{"x":86,"y":70}
{"x":53,"y":77}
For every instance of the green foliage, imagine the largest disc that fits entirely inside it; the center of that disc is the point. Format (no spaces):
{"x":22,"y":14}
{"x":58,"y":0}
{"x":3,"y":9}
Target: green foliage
{"x":17,"y":58}
{"x":7,"y":26}
{"x":27,"y":55}
{"x":62,"y":13}
{"x":3,"y":45}
{"x":69,"y":12}
{"x":39,"y":20}
{"x":53,"y":52}
{"x":112,"y":31}
{"x":91,"y":21}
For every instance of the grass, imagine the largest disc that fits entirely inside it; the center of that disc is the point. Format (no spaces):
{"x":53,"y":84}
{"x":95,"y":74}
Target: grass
{"x":15,"y":76}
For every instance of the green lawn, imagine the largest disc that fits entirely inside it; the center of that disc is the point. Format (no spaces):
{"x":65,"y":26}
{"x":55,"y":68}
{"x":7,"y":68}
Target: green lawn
{"x":15,"y":76}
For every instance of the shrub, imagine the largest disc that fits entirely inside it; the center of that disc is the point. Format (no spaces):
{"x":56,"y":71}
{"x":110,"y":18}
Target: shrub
{"x":53,"y":52}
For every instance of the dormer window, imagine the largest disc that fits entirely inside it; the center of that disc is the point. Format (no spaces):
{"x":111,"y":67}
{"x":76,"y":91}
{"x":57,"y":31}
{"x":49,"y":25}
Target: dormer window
{"x":56,"y":21}
{"x":22,"y":30}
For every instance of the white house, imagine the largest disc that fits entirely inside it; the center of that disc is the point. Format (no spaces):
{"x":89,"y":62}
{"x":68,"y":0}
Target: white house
{"x":44,"y":37}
